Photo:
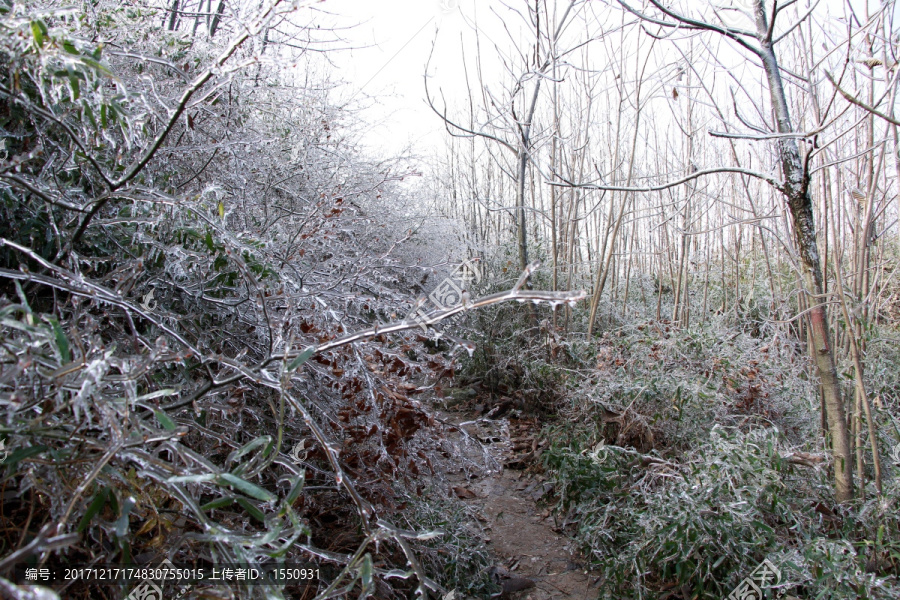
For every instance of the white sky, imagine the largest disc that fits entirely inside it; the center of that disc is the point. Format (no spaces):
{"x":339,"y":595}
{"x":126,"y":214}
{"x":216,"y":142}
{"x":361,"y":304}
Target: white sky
{"x":392,"y":40}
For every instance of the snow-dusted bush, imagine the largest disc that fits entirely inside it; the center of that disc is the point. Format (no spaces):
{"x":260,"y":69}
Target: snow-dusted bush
{"x":187,"y":229}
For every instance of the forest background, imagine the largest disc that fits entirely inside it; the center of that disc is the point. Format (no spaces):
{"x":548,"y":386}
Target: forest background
{"x":225,"y":317}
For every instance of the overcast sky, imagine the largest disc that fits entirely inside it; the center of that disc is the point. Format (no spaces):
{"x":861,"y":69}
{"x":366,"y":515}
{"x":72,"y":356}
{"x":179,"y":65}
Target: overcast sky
{"x":392,"y":40}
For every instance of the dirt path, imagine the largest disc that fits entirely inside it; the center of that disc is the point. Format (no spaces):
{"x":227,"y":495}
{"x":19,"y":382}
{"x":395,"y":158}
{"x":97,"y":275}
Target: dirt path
{"x":535,"y":561}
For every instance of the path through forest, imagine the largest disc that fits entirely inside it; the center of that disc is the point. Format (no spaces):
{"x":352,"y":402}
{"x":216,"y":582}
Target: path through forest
{"x":494,"y":472}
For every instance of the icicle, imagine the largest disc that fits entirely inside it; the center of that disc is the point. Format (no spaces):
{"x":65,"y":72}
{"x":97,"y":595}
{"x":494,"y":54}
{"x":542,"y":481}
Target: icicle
{"x":468,"y":346}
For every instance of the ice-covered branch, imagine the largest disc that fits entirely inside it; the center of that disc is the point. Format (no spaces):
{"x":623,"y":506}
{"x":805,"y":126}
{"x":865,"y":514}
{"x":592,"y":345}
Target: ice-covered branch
{"x":663,"y":186}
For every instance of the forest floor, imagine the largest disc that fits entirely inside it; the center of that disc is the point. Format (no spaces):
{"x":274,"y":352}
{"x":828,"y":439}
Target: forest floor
{"x":492,"y":468}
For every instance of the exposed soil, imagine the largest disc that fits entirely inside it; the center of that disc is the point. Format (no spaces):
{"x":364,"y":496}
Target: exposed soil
{"x":495,"y":474}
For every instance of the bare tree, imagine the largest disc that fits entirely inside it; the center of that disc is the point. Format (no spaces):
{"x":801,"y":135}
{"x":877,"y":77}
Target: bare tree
{"x":794,"y":187}
{"x":544,"y":54}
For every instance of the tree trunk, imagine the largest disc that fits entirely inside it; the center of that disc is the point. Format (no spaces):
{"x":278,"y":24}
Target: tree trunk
{"x":173,"y":15}
{"x":214,"y":23}
{"x":603,"y":268}
{"x":521,"y":234}
{"x":796,"y":191}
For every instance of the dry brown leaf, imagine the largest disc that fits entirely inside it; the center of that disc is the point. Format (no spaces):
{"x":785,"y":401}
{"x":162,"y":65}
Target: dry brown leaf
{"x":464,"y":493}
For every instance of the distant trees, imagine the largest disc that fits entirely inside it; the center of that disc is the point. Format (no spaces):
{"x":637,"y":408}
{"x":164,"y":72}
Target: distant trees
{"x":515,"y":130}
{"x":794,"y":185}
{"x":720,"y":159}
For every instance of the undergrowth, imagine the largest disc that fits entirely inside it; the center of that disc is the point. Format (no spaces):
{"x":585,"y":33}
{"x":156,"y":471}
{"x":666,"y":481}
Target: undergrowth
{"x":672,"y":460}
{"x":458,"y":559}
{"x":683,"y":457}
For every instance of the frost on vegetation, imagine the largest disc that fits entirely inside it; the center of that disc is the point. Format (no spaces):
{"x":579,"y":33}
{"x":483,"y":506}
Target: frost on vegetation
{"x":672,"y":465}
{"x":672,"y":454}
{"x":161,"y":278}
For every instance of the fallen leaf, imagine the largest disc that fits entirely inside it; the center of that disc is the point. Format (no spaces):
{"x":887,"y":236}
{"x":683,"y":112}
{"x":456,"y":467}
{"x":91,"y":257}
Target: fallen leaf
{"x":463,"y":493}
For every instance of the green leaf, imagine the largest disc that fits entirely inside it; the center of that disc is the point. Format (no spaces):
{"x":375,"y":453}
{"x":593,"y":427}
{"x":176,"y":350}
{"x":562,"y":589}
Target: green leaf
{"x":69,"y":47}
{"x":252,"y":490}
{"x":254,"y":512}
{"x":97,"y":503}
{"x":219,"y":503}
{"x":96,"y":66}
{"x":89,"y":113}
{"x":275,"y":526}
{"x":221,"y":209}
{"x":263,"y":440}
{"x":62,"y":343}
{"x":25,"y":306}
{"x":760,"y":525}
{"x":209,"y":241}
{"x":302,"y":358}
{"x":164,"y":420}
{"x":23,"y":453}
{"x":296,"y":489}
{"x":76,"y":89}
{"x":38,"y":32}
{"x":366,"y":572}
